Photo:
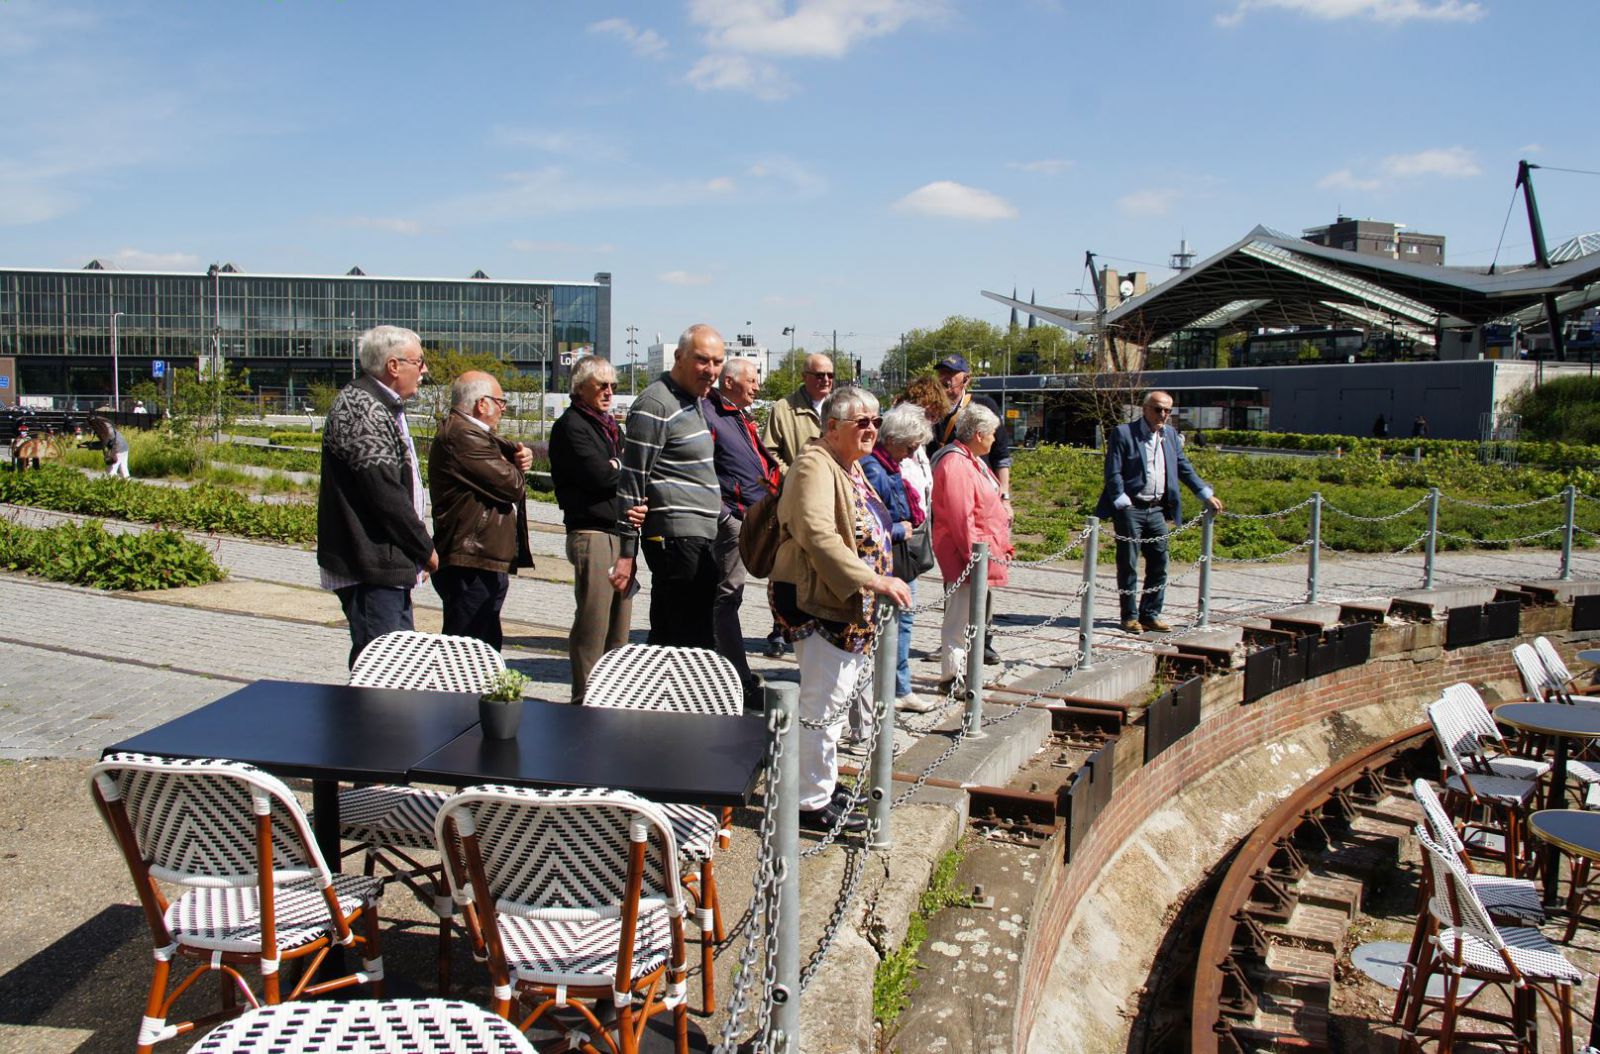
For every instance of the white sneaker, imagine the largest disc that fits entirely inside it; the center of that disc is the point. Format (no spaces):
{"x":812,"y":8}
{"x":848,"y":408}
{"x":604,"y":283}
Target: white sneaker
{"x":911,"y":702}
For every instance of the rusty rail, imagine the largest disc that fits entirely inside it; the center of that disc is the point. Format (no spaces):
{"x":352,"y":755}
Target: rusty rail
{"x":1216,"y":962}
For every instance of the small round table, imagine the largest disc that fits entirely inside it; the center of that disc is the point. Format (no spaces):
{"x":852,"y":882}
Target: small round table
{"x":1590,"y":656}
{"x":1576,"y":832}
{"x":1561,"y":722}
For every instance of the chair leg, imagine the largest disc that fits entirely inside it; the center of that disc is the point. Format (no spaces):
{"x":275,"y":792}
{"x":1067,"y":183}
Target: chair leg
{"x":441,"y":896}
{"x":1575,"y":896}
{"x":155,"y":1021}
{"x":711,"y":934}
{"x":374,"y":949}
{"x":1447,"y":1025}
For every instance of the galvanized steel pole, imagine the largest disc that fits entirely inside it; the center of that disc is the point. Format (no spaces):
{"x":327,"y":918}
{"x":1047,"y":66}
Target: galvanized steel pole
{"x":1091,"y":559}
{"x":977,"y":603}
{"x":883,"y":752}
{"x":1432,"y":542}
{"x":1567,"y":534}
{"x":783,"y":699}
{"x":1208,"y":527}
{"x":1313,"y":563}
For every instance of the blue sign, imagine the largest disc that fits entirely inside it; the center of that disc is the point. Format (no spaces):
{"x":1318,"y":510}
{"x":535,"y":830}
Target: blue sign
{"x":5,"y":382}
{"x":158,"y":368}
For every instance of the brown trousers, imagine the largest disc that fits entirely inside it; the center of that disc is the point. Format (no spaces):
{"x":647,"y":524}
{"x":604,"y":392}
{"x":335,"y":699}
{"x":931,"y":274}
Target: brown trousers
{"x":603,"y":615}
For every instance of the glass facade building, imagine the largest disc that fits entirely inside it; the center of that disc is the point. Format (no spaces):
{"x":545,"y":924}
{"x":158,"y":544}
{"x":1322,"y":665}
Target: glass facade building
{"x":289,"y":331}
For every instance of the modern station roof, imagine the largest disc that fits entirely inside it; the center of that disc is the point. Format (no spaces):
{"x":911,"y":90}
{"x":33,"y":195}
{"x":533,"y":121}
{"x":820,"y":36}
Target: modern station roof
{"x":1268,"y":279}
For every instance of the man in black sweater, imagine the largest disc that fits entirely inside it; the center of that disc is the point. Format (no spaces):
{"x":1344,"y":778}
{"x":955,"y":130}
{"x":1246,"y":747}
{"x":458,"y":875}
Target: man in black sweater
{"x":585,"y":465}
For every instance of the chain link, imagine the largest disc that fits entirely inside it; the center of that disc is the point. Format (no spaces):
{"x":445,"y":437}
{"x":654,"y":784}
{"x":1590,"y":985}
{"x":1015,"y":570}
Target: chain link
{"x":972,"y":561}
{"x":1076,"y":543}
{"x":1328,"y":506}
{"x":1265,"y":515}
{"x":1469,"y":540}
{"x":855,"y":861}
{"x":1492,"y":505}
{"x":1114,"y":536}
{"x":1262,"y":559}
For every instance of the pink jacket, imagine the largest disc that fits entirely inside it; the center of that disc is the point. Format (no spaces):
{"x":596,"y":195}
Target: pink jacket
{"x":967,"y":509}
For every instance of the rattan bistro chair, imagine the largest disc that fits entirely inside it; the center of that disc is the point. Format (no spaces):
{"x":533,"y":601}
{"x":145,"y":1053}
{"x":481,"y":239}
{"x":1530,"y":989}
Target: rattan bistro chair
{"x":414,"y":1026}
{"x":1468,"y":705}
{"x":257,"y":890}
{"x":1467,"y":945}
{"x":680,"y":681}
{"x":390,"y":823}
{"x":1472,"y":788}
{"x":1559,"y":680}
{"x":578,"y":895}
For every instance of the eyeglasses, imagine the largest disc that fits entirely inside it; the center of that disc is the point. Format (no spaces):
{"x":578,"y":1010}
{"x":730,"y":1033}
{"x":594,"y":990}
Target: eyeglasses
{"x":496,"y":399}
{"x":1162,"y":410}
{"x":417,"y":362}
{"x":609,"y":386}
{"x":862,"y":422}
{"x":820,"y":375}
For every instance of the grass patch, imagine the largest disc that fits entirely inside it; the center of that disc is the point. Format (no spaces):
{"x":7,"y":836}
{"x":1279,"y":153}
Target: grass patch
{"x":87,"y":554}
{"x":896,"y":977}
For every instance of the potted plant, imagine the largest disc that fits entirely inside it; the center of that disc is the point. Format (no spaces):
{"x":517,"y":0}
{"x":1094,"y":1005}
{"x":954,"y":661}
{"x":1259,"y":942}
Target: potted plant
{"x":500,"y":708}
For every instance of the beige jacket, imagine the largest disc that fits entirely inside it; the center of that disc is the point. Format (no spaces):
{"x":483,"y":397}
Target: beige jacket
{"x":817,"y":538}
{"x":791,"y":424}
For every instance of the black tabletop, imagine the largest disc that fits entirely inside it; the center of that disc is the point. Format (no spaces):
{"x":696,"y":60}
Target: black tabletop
{"x":1553,"y":719}
{"x":1574,"y":830}
{"x":326,"y":731}
{"x":664,"y":757}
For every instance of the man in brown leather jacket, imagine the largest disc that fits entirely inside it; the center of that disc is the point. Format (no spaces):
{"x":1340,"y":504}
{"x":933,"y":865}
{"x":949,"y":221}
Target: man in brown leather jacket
{"x":480,"y":510}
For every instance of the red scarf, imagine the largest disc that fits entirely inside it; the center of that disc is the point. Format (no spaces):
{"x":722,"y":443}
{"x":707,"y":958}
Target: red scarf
{"x":913,"y":499}
{"x":607,"y":423}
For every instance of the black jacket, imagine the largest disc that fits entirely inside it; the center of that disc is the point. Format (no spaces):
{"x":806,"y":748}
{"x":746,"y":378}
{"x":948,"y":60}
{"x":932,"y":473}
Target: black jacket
{"x":584,"y":474}
{"x":367,"y":529}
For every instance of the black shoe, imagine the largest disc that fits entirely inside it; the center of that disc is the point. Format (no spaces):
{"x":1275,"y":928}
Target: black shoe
{"x":775,"y":647}
{"x":842,"y":795}
{"x":990,"y":656}
{"x":825,"y":818}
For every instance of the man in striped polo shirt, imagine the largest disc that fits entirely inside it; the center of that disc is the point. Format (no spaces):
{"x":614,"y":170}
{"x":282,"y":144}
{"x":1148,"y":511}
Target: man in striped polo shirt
{"x":668,"y":464}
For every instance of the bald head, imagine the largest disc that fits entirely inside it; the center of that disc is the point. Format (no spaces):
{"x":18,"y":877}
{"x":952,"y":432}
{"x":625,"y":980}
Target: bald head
{"x":818,"y":377}
{"x":477,"y":394}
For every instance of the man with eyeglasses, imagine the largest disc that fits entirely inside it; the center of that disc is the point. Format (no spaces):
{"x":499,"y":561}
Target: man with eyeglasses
{"x":1144,"y":462}
{"x":372,"y":545}
{"x":791,"y":424}
{"x":480,"y":508}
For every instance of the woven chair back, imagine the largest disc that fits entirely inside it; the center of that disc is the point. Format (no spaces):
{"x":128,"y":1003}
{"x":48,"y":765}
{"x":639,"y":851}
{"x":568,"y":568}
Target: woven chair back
{"x":1464,"y":700}
{"x":1456,"y":736}
{"x":427,"y":662}
{"x":1454,"y":902}
{"x":563,"y":854}
{"x":195,"y":820}
{"x":677,"y":680}
{"x":1553,"y":665}
{"x":1535,"y":679}
{"x":1435,"y":820}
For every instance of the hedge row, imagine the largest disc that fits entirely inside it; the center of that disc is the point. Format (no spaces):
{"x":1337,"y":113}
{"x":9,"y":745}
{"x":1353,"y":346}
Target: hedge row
{"x":88,"y":555}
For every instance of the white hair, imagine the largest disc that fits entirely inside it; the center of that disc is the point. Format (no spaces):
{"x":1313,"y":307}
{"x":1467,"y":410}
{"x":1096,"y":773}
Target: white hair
{"x":848,"y":402}
{"x":591,"y":368}
{"x":906,"y":423}
{"x":382,"y":343}
{"x":465,"y":392}
{"x":975,"y":420}
{"x":737,"y":366}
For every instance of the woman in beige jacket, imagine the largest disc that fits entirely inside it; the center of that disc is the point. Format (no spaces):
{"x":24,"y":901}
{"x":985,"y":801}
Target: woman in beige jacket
{"x":834,"y":557}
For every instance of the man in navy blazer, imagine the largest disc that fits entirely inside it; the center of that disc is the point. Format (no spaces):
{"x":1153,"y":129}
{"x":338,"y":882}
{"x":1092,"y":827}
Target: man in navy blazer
{"x":1144,"y":464}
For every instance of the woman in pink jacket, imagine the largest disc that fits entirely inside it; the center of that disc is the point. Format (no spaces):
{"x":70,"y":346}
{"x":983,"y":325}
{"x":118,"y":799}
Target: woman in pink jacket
{"x":967,"y":509}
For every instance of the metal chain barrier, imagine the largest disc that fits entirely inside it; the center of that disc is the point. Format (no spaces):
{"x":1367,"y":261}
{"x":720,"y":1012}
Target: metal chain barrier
{"x":855,"y":861}
{"x":1142,"y":540}
{"x":1265,"y":515}
{"x":863,"y":676}
{"x":764,"y":905}
{"x":966,"y":572}
{"x":1491,"y":505}
{"x":1072,"y":546}
{"x":1262,"y":559}
{"x":1328,"y":506}
{"x":1469,"y":540}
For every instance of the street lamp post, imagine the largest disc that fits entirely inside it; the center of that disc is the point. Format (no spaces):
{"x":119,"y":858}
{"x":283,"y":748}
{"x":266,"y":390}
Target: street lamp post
{"x":788,"y":331}
{"x":116,"y":379}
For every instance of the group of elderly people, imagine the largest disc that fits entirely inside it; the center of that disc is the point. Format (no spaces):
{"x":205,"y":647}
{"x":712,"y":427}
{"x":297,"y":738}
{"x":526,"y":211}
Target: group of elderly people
{"x":867,"y":506}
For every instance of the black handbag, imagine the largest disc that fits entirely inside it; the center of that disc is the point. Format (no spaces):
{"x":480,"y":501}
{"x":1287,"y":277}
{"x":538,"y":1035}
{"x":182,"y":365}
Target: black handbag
{"x":913,"y":554}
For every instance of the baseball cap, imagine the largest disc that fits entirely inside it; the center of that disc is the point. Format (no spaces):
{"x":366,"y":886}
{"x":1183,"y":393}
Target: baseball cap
{"x":953,"y":363}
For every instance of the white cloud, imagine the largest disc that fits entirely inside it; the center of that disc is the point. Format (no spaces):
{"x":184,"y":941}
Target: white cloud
{"x":1344,"y":179}
{"x":1050,"y":166}
{"x":526,"y":245}
{"x":1452,"y":162}
{"x":560,"y":141}
{"x":645,"y":42}
{"x":723,"y":72}
{"x":956,"y":201}
{"x":814,"y":29}
{"x":1531,"y":148}
{"x":684,"y":278}
{"x":27,"y":25}
{"x":780,"y":169}
{"x":720,"y":185}
{"x":1388,"y":11}
{"x":140,"y":260}
{"x":389,"y":224}
{"x":1157,"y":201}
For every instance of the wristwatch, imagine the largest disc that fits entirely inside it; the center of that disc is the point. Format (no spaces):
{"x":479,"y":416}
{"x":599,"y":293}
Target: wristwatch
{"x":1005,"y":497}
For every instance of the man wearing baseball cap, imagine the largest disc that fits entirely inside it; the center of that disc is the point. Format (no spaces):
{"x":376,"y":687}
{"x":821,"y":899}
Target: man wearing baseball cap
{"x":954,"y":373}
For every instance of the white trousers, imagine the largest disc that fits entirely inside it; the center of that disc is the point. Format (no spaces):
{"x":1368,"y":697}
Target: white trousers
{"x":953,"y":633}
{"x":119,"y":467}
{"x":827,"y":677}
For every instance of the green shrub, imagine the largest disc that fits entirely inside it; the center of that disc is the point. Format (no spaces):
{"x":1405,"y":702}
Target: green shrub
{"x":86,"y":554}
{"x":304,"y":438}
{"x":1566,"y":409}
{"x":203,"y":507}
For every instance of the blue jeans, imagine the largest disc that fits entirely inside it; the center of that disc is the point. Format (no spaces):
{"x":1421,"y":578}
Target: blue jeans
{"x":902,"y":671}
{"x":1150,"y":527}
{"x":373,"y":611}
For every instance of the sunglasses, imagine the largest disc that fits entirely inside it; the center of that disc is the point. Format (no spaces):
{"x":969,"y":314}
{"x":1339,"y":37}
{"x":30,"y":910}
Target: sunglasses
{"x":609,"y":386}
{"x":819,"y":374}
{"x":863,"y":422}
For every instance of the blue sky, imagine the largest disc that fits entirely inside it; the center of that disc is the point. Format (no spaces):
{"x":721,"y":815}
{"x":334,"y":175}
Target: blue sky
{"x":860,"y":165}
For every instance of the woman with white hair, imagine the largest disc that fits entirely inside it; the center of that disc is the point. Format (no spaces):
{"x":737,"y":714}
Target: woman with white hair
{"x":967,"y":509}
{"x":905,"y":430}
{"x":833,"y":560}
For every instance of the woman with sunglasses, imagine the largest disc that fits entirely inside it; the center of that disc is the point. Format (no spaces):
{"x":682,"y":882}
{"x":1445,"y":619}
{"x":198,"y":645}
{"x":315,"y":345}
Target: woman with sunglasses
{"x":834,"y":558}
{"x":967,"y":508}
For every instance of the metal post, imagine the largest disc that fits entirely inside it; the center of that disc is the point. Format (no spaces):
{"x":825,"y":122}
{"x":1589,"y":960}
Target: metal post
{"x":116,"y":378}
{"x":1091,"y":559}
{"x":978,"y":598}
{"x":783,"y":699}
{"x":1208,"y":527}
{"x":1569,"y":531}
{"x":1432,"y":542}
{"x":883,"y":752}
{"x":1316,"y":547}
